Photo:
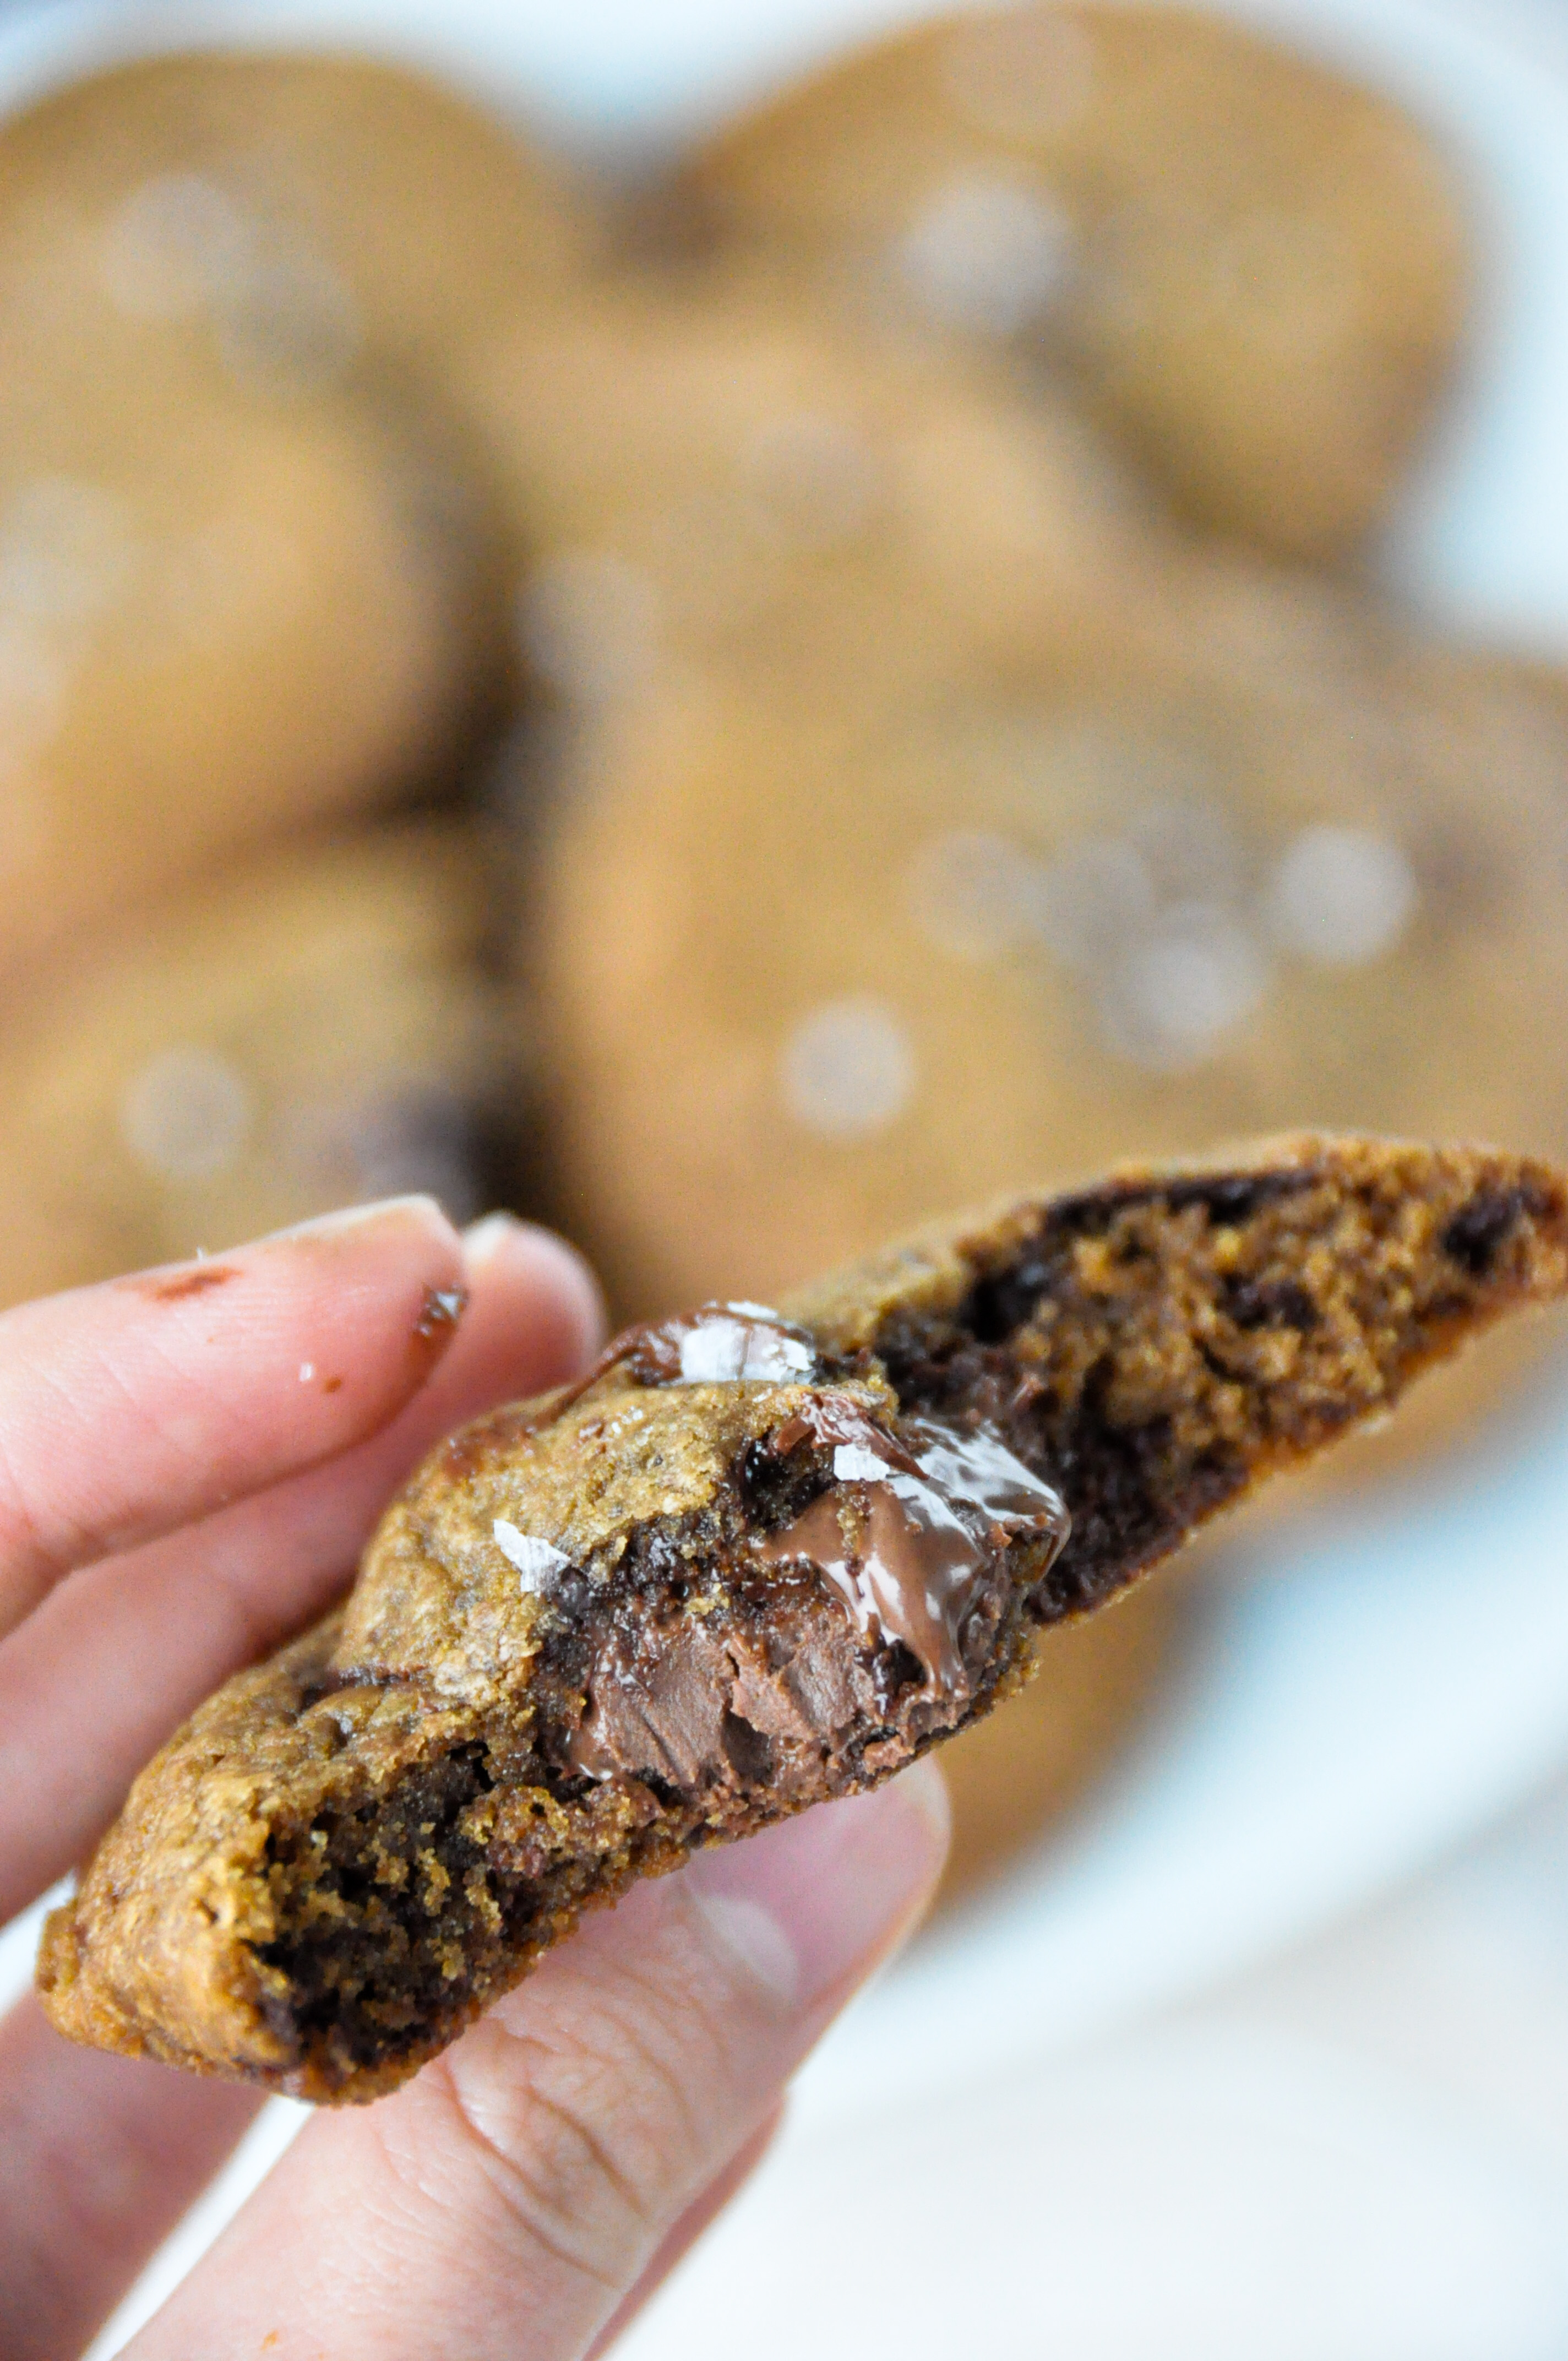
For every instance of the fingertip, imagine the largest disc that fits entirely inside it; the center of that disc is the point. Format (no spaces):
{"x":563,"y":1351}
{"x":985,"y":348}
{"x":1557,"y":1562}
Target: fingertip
{"x":551,"y":1273}
{"x":146,"y":1403}
{"x":416,"y":1212}
{"x":923,"y":1790}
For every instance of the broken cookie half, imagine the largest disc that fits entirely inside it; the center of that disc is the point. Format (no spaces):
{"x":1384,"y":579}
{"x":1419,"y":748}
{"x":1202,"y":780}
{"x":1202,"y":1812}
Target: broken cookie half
{"x":754,"y":1560}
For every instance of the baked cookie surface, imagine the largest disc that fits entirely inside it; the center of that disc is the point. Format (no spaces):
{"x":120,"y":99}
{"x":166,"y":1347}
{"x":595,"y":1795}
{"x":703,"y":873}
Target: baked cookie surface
{"x":1254,"y":851}
{"x":696,"y":470}
{"x":753,"y":1560}
{"x":244,"y":577}
{"x":1258,"y":270}
{"x":306,"y":209}
{"x":315,"y":1031}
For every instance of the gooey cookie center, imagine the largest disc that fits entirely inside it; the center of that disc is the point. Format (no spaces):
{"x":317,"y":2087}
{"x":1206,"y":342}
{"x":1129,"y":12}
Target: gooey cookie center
{"x":907,"y":1541}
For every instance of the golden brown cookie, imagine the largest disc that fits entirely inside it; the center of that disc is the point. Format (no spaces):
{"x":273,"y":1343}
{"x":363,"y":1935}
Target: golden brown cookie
{"x":1258,"y":270}
{"x":826,"y":972}
{"x":254,"y":632}
{"x":698,"y":470}
{"x":312,"y":1030}
{"x":749,"y":1562}
{"x":308,"y":212}
{"x":244,"y":578}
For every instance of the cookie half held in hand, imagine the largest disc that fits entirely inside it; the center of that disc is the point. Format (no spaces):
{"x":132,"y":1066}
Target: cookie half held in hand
{"x":754,"y":1560}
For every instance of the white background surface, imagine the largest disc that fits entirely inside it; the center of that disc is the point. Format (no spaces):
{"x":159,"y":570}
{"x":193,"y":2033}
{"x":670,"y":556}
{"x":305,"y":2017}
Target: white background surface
{"x":1090,"y":2115}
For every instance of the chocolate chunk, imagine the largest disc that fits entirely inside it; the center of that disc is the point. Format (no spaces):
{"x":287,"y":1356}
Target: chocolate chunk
{"x":752,"y":1561}
{"x":1281,"y":1304}
{"x":1477,"y":1231}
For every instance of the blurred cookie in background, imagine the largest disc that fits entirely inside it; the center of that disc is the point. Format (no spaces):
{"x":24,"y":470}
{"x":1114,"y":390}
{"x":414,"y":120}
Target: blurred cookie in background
{"x":246,"y":576}
{"x":250,"y":627}
{"x":694,"y":471}
{"x":1014,"y":1775}
{"x":1259,"y":270}
{"x":802,"y":978}
{"x":312,"y":210}
{"x":313,"y":1029}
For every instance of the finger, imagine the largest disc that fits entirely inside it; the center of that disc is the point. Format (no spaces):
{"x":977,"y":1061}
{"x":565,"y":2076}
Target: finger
{"x":500,"y":2206}
{"x":677,"y":2243}
{"x":126,"y":1650}
{"x":99,"y":2157}
{"x":66,"y":2115}
{"x":129,"y":1409}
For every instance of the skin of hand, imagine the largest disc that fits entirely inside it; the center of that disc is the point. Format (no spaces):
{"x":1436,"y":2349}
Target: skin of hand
{"x":190,"y":1460}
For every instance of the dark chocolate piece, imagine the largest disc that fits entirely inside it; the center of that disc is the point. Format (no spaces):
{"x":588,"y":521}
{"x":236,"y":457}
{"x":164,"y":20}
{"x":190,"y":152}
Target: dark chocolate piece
{"x":908,"y":1540}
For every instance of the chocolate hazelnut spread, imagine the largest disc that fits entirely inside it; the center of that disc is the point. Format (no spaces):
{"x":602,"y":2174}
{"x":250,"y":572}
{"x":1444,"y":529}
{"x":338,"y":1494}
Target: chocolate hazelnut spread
{"x":689,"y":1706}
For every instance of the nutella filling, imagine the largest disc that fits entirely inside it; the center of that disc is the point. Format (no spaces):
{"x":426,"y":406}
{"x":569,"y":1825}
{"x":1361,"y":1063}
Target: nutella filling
{"x":907,"y":1535}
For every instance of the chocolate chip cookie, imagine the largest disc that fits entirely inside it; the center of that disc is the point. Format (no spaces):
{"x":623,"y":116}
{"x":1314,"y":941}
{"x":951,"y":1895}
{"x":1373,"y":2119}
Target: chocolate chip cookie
{"x":1258,"y":270}
{"x":246,"y":578}
{"x":307,"y":212}
{"x":1261,"y":850}
{"x":314,"y":1030}
{"x":696,"y":471}
{"x":751,"y":1561}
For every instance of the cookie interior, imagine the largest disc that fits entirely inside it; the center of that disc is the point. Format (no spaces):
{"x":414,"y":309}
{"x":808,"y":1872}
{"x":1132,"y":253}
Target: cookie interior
{"x":1155,"y":1345}
{"x":418,"y":1853}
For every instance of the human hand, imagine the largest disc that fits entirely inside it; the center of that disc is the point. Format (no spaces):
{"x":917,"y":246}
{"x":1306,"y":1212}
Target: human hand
{"x":189,"y":1461}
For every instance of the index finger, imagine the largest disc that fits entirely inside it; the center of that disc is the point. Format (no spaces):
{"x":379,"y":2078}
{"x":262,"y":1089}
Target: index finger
{"x":130,"y":1408}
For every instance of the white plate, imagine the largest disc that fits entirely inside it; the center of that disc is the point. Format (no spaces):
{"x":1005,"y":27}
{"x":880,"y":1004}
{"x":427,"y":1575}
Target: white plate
{"x":1399,"y":1675}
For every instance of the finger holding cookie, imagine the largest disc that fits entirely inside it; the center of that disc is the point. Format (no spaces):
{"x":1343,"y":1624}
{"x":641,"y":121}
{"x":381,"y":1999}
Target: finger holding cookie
{"x":99,"y":2157}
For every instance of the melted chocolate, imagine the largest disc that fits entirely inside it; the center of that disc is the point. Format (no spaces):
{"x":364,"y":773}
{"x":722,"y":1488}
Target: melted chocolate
{"x":909,"y":1536}
{"x":906,"y":1537}
{"x":689,"y":1704}
{"x":437,"y":1322}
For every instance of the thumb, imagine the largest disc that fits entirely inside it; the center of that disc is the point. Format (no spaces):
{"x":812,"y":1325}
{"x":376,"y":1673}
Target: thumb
{"x":507,"y":2200}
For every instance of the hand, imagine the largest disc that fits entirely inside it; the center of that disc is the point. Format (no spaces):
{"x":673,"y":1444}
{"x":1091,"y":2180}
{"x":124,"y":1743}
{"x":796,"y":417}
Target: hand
{"x":189,"y":1461}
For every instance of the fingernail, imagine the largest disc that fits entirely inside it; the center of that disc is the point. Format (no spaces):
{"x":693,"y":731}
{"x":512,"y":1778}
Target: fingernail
{"x":555,"y":1265}
{"x":810,"y":1907}
{"x":485,"y":1239}
{"x":417,"y":1207}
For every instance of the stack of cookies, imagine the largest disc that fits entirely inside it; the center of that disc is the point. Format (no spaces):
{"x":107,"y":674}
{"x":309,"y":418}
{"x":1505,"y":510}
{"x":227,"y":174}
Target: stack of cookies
{"x":743,"y":713}
{"x":253,"y":616}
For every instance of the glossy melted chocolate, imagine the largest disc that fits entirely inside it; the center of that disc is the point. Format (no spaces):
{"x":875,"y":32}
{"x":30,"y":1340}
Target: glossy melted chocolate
{"x":908,"y":1532}
{"x":908,"y":1536}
